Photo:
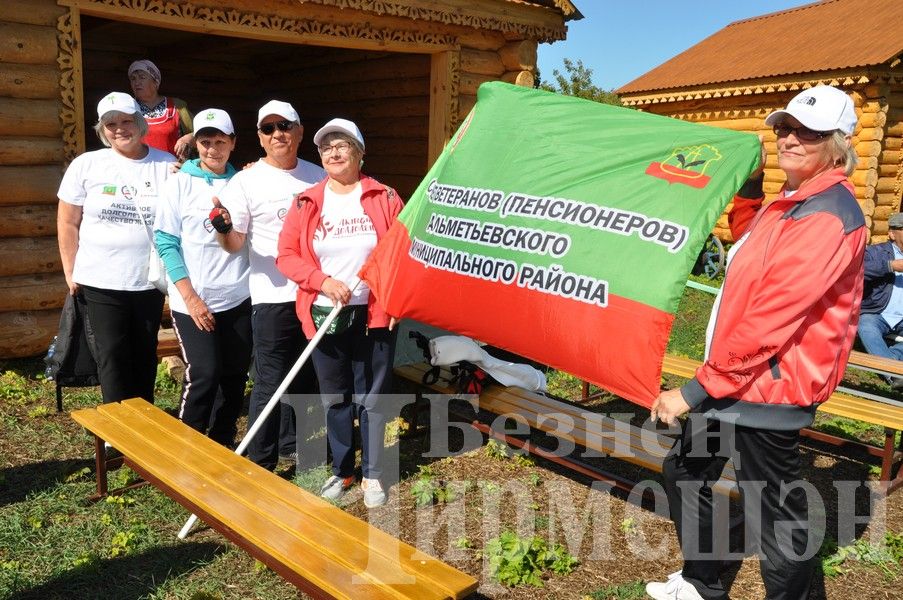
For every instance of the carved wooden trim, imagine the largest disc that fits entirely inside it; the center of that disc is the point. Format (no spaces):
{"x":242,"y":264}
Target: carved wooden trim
{"x":262,"y":25}
{"x":396,"y":8}
{"x":768,"y":86}
{"x":69,"y":59}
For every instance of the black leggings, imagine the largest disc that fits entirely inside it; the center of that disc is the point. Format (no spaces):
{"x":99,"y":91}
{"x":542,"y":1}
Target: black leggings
{"x":126,"y":325}
{"x":215,"y":360}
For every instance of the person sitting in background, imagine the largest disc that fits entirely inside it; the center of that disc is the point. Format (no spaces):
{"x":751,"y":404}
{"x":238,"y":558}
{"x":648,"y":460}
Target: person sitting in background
{"x":168,"y":119}
{"x":208,"y":287}
{"x":882,"y":299}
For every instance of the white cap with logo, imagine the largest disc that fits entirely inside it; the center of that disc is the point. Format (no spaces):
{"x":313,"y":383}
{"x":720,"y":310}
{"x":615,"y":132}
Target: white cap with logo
{"x":822,"y":108}
{"x":280,"y":108}
{"x":339,"y":126}
{"x":213,"y":117}
{"x":119,"y":102}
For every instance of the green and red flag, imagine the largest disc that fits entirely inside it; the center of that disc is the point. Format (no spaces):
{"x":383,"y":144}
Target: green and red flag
{"x":562,"y":230}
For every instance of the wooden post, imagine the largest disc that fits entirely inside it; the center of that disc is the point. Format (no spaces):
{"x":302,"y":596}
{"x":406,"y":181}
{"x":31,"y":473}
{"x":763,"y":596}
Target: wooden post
{"x":440,"y":103}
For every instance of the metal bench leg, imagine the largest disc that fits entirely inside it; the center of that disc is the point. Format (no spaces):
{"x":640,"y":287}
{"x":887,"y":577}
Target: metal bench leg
{"x":59,"y":398}
{"x":891,"y":457}
{"x":100,"y":467}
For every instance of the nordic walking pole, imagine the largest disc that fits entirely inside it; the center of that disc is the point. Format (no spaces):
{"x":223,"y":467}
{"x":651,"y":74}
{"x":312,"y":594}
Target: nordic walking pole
{"x":277,"y":395}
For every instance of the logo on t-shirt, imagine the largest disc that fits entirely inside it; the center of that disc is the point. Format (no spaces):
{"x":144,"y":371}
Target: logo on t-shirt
{"x":345,"y":228}
{"x":129,"y":192}
{"x":281,"y":214}
{"x":109,"y":190}
{"x":322,"y":231}
{"x":208,"y":225}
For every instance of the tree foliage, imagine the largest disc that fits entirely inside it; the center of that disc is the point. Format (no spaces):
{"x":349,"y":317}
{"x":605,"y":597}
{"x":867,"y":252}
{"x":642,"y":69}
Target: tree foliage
{"x":578,"y":81}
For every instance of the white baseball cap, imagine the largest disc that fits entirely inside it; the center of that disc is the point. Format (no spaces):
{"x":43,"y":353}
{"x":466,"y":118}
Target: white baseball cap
{"x":119,"y":102}
{"x":822,"y":108}
{"x":213,"y":117}
{"x":280,"y":108}
{"x":339,"y":126}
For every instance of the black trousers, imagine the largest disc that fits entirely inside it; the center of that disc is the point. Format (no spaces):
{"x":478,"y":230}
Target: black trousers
{"x":778,"y":526}
{"x":278,"y":342}
{"x":354,"y":368}
{"x":215,"y":360}
{"x":126,"y":325}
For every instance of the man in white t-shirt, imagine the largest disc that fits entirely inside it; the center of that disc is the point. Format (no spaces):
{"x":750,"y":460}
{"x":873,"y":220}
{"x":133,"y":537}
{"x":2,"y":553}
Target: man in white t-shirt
{"x":252,"y":207}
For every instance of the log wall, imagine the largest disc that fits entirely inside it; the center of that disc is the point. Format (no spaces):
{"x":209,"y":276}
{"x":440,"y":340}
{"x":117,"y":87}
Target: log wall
{"x":32,"y":287}
{"x":877,"y":140}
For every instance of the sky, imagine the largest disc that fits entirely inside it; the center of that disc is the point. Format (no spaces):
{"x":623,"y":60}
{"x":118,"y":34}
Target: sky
{"x":623,"y":39}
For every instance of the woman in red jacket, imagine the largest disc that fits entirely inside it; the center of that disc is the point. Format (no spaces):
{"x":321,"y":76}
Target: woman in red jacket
{"x":778,"y":339}
{"x":327,"y":236}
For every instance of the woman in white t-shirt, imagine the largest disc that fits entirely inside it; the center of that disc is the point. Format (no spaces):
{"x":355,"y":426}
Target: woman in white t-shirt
{"x":208,"y":289}
{"x":327,"y":235}
{"x":105,"y":245}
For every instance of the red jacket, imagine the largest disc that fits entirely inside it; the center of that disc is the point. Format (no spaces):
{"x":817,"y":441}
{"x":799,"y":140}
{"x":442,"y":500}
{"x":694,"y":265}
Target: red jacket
{"x":786,"y":317}
{"x":297,"y":260}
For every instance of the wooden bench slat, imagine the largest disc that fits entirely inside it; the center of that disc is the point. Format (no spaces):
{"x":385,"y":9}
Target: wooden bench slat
{"x":642,"y":446}
{"x":272,"y":514}
{"x":332,"y":523}
{"x":871,"y":361}
{"x":841,"y":405}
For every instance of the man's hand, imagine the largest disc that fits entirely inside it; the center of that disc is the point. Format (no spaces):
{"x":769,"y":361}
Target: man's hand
{"x":669,"y":405}
{"x":220,"y":217}
{"x":897,"y":265}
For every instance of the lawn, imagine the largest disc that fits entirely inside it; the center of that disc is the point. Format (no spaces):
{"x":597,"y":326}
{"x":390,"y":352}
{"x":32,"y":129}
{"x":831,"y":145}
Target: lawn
{"x":524,"y":527}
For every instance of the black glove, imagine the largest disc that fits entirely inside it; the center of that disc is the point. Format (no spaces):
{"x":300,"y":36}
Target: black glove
{"x":218,"y":220}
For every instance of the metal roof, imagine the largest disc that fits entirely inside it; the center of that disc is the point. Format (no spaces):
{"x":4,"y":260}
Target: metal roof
{"x":826,"y":35}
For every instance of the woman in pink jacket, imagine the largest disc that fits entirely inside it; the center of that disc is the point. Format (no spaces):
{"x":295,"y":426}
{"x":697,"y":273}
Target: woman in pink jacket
{"x":327,"y":236}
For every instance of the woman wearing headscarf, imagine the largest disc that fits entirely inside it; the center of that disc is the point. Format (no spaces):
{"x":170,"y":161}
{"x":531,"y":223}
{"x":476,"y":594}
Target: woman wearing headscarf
{"x":208,"y":287}
{"x":327,"y":236}
{"x":168,"y":119}
{"x":105,"y":245}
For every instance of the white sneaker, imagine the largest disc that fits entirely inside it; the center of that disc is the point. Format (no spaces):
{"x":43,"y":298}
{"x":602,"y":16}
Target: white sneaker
{"x":335,"y":487}
{"x":676,"y":588}
{"x":374,"y":494}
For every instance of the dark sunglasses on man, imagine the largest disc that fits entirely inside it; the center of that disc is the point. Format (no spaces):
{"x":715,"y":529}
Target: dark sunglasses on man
{"x":269,"y":128}
{"x":802,"y":133}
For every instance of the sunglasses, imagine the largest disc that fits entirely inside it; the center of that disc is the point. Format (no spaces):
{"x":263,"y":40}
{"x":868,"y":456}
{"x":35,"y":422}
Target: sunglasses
{"x":802,"y":133}
{"x":270,"y":128}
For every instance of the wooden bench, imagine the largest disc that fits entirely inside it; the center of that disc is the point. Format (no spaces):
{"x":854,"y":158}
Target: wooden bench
{"x":571,"y":422}
{"x":314,"y":545}
{"x":886,"y":415}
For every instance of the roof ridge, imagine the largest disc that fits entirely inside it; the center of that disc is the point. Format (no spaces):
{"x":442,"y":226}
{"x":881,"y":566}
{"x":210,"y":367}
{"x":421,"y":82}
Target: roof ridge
{"x":816,"y":4}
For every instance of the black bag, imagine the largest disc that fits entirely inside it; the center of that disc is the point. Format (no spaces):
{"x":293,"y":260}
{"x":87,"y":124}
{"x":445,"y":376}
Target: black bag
{"x":70,"y":358}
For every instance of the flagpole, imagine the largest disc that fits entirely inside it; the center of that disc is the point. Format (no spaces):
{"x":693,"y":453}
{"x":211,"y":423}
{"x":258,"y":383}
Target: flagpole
{"x":277,"y":395}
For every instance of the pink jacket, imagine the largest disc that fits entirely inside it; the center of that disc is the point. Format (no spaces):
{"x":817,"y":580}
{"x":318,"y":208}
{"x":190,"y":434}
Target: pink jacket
{"x":297,"y":260}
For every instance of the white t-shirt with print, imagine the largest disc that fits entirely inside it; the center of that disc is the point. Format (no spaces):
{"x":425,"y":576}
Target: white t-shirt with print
{"x":343,"y":240}
{"x":113,"y":244}
{"x":218,"y":277}
{"x":258,"y":199}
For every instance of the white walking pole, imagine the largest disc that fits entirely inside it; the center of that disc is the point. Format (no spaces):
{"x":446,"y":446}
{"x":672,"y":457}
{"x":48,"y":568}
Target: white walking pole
{"x":258,"y":422}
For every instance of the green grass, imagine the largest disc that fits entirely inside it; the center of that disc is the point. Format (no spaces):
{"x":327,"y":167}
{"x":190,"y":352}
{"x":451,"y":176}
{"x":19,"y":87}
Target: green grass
{"x":635,"y":590}
{"x":54,"y":544}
